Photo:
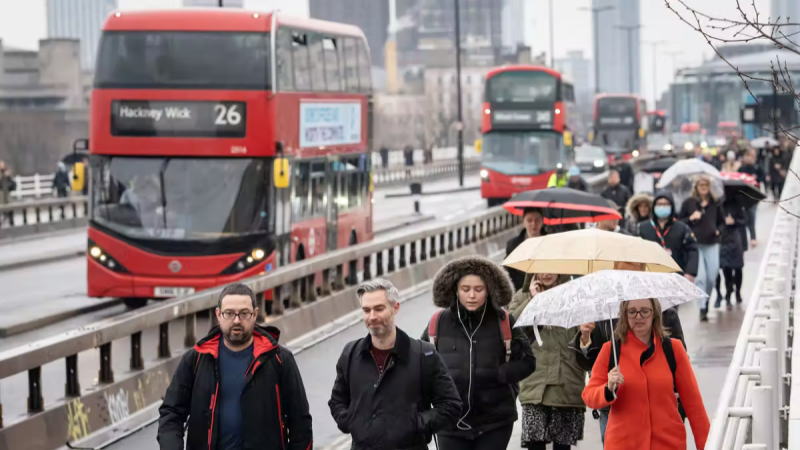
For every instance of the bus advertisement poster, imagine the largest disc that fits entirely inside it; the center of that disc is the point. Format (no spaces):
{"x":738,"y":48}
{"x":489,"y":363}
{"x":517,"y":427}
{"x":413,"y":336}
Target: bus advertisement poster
{"x":326,"y":124}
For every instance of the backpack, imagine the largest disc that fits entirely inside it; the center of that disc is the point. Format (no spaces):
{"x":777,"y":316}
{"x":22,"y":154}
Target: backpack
{"x":666,"y":345}
{"x":505,"y":330}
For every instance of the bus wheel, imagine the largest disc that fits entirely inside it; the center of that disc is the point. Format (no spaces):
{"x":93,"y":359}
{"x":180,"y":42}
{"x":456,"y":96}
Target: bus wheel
{"x":134,"y":302}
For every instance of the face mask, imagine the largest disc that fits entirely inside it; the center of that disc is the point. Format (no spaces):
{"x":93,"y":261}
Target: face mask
{"x":662,"y":211}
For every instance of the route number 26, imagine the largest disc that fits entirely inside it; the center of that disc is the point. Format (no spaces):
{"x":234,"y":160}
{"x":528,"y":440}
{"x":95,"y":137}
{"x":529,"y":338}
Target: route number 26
{"x":227,"y":115}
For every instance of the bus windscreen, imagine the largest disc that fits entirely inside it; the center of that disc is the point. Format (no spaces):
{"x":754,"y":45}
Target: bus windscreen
{"x":522,"y":87}
{"x":183,"y":60}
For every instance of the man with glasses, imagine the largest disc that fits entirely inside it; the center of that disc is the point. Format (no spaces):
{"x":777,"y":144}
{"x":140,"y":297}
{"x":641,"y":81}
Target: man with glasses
{"x":237,"y":387}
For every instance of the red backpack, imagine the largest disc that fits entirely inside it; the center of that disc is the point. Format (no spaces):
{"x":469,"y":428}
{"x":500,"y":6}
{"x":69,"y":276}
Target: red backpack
{"x":505,"y":330}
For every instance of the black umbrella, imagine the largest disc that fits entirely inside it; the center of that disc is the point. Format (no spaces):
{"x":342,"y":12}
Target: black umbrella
{"x":73,"y":158}
{"x":659,"y":165}
{"x":742,"y":193}
{"x":561,"y":206}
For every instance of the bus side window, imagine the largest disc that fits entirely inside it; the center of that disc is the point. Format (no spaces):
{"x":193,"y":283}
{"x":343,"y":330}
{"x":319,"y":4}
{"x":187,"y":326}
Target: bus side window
{"x":569,"y":92}
{"x":333,"y":76}
{"x":283,"y":60}
{"x":318,"y":189}
{"x":301,"y":66}
{"x":301,"y":196}
{"x":350,"y":60}
{"x":317,"y":66}
{"x":364,"y":65}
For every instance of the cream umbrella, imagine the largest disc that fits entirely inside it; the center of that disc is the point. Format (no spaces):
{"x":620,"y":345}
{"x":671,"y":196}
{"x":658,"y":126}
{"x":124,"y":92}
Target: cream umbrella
{"x":581,"y":252}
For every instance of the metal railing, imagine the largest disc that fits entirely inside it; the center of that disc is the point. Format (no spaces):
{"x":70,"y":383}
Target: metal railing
{"x":752,"y":409}
{"x":307,"y":295}
{"x":36,"y":186}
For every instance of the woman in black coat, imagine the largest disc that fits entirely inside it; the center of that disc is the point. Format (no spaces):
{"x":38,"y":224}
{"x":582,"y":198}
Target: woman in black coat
{"x":731,"y":253}
{"x":485,"y":366}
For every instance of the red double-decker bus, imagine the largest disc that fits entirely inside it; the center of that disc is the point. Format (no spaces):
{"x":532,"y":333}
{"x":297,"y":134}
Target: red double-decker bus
{"x":223,"y":143}
{"x":525,"y":130}
{"x":620,"y":124}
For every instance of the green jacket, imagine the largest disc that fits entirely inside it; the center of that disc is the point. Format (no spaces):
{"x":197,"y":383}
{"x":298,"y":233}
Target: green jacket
{"x":558,"y":380}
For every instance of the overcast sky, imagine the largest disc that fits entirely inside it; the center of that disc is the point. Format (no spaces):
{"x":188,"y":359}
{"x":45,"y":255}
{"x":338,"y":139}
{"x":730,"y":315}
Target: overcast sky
{"x":23,"y":23}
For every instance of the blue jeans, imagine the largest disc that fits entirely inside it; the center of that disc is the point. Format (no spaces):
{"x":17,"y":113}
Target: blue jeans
{"x":603,"y":423}
{"x":707,"y":269}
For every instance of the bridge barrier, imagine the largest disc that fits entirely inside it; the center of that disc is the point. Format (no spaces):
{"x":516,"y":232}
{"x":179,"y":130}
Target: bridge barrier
{"x":753,"y":410}
{"x":407,"y":260}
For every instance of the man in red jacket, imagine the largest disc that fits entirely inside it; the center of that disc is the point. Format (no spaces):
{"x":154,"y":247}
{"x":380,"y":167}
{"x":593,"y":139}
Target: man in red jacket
{"x":237,"y":387}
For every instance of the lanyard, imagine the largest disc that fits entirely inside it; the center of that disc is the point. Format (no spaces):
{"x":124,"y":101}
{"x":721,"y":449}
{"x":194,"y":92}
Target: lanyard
{"x":661,"y":237}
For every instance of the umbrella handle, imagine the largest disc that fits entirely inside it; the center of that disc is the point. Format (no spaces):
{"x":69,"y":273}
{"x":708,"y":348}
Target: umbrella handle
{"x":537,"y":335}
{"x":611,"y":335}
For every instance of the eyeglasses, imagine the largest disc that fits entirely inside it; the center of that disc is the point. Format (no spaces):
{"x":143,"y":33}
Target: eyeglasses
{"x":243,"y":315}
{"x":644,"y":313}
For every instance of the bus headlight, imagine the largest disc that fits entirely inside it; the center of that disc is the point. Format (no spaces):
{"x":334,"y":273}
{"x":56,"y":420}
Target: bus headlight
{"x":599,"y":163}
{"x":635,"y":153}
{"x":251,"y":259}
{"x":104,"y":259}
{"x":667,"y":147}
{"x":484,"y":175}
{"x":688,"y":146}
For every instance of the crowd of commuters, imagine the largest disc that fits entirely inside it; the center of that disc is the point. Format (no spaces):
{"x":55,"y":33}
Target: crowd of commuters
{"x":461,"y":383}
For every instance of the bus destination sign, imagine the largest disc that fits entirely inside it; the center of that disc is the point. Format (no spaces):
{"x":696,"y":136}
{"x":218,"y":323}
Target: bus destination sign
{"x":158,"y":118}
{"x":535,"y":118}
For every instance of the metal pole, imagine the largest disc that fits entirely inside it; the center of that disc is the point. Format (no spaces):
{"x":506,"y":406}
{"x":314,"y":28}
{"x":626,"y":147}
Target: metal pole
{"x":762,"y":426}
{"x":220,"y":3}
{"x":552,"y":41}
{"x":459,"y":124}
{"x":595,"y":14}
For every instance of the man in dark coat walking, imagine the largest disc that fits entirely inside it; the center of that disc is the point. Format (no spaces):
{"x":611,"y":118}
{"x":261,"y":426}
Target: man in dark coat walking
{"x":237,"y":388}
{"x":391,"y":391}
{"x":616,"y":192}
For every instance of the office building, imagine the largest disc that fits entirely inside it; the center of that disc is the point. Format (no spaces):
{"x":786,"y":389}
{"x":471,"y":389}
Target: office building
{"x":79,"y":19}
{"x":619,"y":50}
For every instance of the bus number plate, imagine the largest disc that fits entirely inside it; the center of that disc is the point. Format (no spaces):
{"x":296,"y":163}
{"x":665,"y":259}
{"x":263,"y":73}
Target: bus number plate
{"x":172,"y":291}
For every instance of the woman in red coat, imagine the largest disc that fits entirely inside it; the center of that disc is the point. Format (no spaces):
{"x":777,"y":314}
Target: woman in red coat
{"x":644,"y":409}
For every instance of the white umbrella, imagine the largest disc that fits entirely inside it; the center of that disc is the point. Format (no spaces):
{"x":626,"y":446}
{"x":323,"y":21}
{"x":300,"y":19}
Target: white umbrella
{"x":597,"y":296}
{"x":763,"y":142}
{"x":680,"y":176}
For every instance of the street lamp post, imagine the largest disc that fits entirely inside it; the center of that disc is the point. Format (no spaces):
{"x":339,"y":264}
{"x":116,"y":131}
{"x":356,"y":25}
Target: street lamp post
{"x":595,"y":24}
{"x":460,"y":124}
{"x":630,"y":29}
{"x":552,"y":45}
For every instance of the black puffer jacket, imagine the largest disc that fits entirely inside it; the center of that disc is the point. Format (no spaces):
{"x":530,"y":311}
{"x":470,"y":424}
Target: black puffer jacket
{"x":274,"y":406}
{"x":677,"y":237}
{"x":493,"y":389}
{"x":393,"y":410}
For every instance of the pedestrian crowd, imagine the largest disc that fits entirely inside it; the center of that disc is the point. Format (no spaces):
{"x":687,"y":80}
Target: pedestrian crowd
{"x":471,"y":374}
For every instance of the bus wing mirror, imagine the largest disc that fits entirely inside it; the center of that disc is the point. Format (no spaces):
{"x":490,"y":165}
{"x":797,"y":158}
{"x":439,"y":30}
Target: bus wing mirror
{"x":80,"y":146}
{"x":280,"y":173}
{"x":478,"y":145}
